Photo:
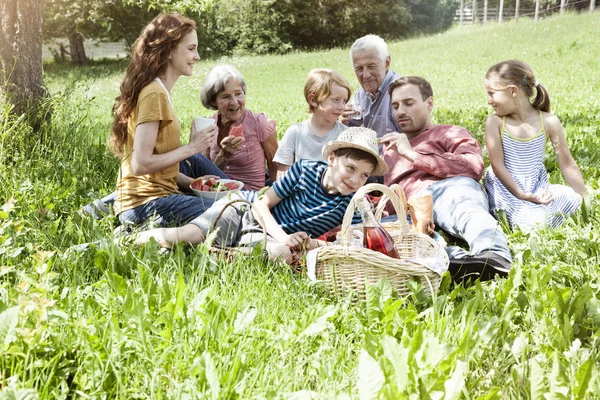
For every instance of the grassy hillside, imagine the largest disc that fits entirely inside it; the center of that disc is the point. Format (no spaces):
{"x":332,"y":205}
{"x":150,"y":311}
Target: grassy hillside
{"x":111,"y":321}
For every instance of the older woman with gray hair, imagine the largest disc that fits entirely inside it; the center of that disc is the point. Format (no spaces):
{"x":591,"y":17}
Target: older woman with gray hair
{"x":246,"y":141}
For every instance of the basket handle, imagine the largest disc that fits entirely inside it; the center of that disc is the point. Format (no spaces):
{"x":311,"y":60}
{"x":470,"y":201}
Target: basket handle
{"x":398,"y":191}
{"x":258,"y":217}
{"x":359,"y":195}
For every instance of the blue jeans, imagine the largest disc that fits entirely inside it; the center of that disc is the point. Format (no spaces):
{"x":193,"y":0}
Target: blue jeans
{"x":194,"y":167}
{"x":172,"y":210}
{"x":198,"y":165}
{"x":461,"y":208}
{"x":175,"y":209}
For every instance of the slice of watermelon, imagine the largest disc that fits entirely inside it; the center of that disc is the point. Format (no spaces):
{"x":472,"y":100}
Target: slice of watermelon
{"x":231,"y":185}
{"x":206,"y":188}
{"x":210,"y":182}
{"x":237,"y":131}
{"x":197,"y":184}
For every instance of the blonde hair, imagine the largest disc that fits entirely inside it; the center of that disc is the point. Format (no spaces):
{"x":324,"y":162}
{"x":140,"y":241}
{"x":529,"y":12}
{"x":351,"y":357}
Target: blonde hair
{"x":319,"y":83}
{"x":518,"y":73}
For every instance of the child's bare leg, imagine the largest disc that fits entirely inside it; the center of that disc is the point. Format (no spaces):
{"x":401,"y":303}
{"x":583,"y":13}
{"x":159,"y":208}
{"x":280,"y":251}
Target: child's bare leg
{"x":167,"y":237}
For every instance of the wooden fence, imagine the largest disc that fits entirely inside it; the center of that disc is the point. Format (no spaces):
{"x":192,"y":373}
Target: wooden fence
{"x":505,"y":12}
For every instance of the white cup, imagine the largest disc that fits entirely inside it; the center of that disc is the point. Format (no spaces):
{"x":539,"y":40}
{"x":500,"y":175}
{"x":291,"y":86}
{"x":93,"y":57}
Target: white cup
{"x":202,"y":123}
{"x":357,"y":112}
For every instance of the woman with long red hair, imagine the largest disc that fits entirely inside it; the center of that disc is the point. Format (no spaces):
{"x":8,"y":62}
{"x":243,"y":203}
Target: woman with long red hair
{"x":146,"y":134}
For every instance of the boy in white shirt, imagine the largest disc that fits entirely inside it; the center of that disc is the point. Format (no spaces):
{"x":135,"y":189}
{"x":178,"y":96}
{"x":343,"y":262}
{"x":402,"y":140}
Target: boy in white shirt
{"x":326,"y":92}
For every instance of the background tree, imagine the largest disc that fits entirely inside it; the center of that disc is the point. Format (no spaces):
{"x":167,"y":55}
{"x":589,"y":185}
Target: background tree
{"x":430,"y":16}
{"x":278,"y":26}
{"x":21,"y":81}
{"x":71,"y":20}
{"x":110,"y":20}
{"x":121,"y":20}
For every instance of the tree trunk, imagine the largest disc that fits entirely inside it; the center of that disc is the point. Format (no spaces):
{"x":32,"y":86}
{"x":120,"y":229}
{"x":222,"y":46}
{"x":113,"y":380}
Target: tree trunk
{"x":64,"y":52}
{"x":21,"y":80}
{"x":77,"y":49}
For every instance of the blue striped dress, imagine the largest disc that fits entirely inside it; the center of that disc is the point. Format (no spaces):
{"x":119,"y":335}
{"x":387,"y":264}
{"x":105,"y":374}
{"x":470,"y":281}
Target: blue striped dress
{"x":524,"y":159}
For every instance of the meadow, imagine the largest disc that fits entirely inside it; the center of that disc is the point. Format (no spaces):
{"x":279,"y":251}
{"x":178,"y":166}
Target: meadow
{"x":116,"y":322}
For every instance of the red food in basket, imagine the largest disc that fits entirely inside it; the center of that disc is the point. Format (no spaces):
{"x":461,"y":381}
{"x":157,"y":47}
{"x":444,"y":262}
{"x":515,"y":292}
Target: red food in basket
{"x":330,"y":236}
{"x":237,"y":131}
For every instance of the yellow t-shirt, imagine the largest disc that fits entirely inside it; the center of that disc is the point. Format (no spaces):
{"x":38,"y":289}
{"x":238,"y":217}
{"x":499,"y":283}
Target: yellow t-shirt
{"x":133,"y":191}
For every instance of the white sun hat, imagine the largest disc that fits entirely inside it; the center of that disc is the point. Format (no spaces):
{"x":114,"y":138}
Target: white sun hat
{"x":361,"y":138}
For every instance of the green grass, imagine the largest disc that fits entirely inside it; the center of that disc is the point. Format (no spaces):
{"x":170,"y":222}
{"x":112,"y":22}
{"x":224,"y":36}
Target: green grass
{"x":113,"y":322}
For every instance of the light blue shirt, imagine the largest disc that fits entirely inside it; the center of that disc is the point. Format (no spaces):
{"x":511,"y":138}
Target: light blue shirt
{"x":377,"y":112}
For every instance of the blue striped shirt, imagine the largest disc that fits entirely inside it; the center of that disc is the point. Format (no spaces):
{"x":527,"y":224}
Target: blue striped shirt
{"x":304,"y":205}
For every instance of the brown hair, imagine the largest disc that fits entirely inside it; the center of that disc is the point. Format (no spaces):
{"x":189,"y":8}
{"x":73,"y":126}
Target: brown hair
{"x":149,"y":59}
{"x":515,"y":72}
{"x":356,"y":155}
{"x":424,"y":86}
{"x":319,"y":82}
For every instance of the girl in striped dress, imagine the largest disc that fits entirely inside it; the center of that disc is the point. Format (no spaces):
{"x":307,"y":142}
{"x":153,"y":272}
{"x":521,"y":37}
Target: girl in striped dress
{"x":515,"y":138}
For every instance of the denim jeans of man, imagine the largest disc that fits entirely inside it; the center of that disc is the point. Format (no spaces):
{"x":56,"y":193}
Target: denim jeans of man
{"x":461,"y":208}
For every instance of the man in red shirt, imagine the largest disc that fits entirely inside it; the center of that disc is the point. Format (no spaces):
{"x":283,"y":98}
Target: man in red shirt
{"x":446,"y":162}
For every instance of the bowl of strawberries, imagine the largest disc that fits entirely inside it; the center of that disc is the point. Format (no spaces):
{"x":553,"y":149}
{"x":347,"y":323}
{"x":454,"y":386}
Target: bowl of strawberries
{"x":215,"y":188}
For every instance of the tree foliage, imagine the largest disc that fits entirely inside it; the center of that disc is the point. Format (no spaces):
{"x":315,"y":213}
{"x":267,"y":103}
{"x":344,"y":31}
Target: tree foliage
{"x":113,"y":20}
{"x":258,"y":26}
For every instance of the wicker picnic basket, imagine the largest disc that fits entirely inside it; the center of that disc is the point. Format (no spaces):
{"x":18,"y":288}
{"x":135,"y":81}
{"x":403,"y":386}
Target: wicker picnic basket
{"x":347,"y":268}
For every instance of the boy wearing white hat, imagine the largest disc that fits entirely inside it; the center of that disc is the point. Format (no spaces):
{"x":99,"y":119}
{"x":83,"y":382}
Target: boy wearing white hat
{"x":309,"y":200}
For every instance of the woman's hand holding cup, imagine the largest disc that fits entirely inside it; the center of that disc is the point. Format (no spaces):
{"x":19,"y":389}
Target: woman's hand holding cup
{"x":202,"y":138}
